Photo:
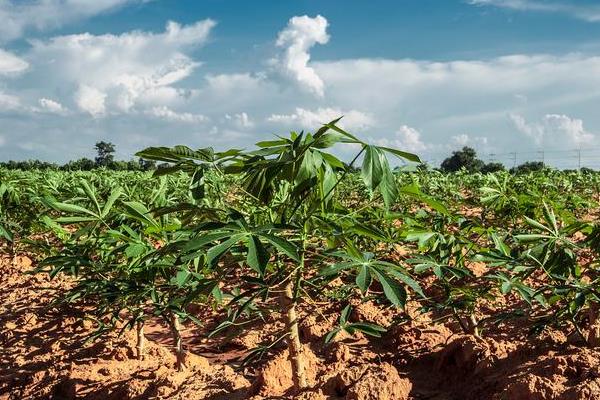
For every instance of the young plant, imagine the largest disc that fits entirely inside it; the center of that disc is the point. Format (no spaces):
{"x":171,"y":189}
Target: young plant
{"x":287,"y":187}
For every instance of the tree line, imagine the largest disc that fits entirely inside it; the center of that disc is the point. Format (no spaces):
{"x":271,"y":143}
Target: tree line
{"x":466,"y":158}
{"x":104,"y":159}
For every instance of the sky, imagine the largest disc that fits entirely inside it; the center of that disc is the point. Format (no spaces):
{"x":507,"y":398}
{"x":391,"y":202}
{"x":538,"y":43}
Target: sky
{"x":515,"y":79}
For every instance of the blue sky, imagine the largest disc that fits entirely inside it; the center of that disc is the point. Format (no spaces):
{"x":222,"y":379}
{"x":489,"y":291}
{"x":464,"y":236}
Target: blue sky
{"x":428,"y":76}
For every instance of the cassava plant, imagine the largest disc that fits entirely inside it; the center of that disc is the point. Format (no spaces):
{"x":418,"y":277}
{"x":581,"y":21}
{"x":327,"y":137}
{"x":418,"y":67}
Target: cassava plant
{"x":286,"y":190}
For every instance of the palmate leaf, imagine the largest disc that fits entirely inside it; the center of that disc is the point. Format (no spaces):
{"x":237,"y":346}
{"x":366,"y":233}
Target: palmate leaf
{"x":394,"y":292}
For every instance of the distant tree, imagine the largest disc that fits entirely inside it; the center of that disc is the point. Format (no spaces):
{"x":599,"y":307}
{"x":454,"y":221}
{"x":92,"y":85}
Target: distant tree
{"x":83,"y":164}
{"x":28,"y":165}
{"x":586,"y":170}
{"x":146,"y":165}
{"x":492,"y":167}
{"x":105,"y":155}
{"x":465,"y":158}
{"x":529,"y":166}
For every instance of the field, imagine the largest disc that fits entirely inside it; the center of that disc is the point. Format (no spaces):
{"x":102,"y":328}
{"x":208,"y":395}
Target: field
{"x":283,"y":272}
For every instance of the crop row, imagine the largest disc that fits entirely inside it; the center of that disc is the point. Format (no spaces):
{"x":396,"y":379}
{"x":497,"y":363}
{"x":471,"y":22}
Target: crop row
{"x":255,"y":232}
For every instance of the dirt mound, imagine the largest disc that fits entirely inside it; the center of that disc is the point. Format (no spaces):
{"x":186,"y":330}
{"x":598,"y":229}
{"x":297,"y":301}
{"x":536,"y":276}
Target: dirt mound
{"x":369,"y":382}
{"x":276,"y":377}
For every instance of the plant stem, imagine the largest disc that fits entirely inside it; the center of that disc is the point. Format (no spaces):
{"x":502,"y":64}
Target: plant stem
{"x":140,"y":340}
{"x":473,"y":325}
{"x":179,"y":352}
{"x":288,"y":306}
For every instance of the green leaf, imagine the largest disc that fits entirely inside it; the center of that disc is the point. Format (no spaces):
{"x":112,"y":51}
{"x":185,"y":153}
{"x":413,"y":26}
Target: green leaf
{"x":115,"y":194}
{"x":182,"y":277}
{"x":367,"y":328}
{"x":214,"y":253}
{"x":283,"y":245}
{"x":402,"y":154}
{"x":201,"y":241}
{"x":6,"y":234}
{"x":363,"y":279}
{"x":135,"y":250}
{"x":372,"y":171}
{"x":258,"y":257}
{"x":139,"y":212}
{"x":410,"y":282}
{"x":394,"y":292}
{"x":72,"y":208}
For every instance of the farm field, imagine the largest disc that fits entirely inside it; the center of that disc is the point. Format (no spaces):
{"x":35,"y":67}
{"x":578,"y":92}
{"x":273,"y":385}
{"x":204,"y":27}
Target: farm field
{"x":283,"y":272}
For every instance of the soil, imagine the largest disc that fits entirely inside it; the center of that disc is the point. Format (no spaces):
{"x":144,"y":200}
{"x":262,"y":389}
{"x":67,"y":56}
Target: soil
{"x":44,"y":355}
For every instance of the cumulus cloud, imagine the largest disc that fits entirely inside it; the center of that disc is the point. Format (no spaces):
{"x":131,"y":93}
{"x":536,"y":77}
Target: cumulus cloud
{"x":240,"y":120}
{"x":409,"y":139}
{"x":52,"y":106}
{"x":143,"y":82}
{"x":554,"y":130}
{"x":10,"y":64}
{"x":91,"y":100}
{"x":300,"y":35}
{"x":119,"y":72}
{"x":312,"y":120}
{"x":586,"y":12}
{"x":167,"y":114}
{"x":19,"y":16}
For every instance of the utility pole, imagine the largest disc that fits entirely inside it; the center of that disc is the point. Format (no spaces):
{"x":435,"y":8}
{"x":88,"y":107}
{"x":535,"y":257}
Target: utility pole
{"x":579,"y":158}
{"x":541,"y":152}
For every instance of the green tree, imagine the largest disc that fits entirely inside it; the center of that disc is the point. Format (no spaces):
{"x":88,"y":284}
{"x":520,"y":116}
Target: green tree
{"x":492,"y":167}
{"x":529,"y":166}
{"x":105,"y":152}
{"x":465,"y":158}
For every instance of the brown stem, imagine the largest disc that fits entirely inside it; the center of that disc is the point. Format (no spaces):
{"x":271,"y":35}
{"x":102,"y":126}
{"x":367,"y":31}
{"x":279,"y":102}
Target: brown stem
{"x":179,"y":352}
{"x":288,"y":306}
{"x":473,"y":326}
{"x":140,"y":340}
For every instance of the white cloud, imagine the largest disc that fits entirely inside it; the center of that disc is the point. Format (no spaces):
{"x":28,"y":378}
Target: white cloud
{"x":586,"y":12}
{"x":10,"y":64}
{"x":554,"y":130}
{"x":173,"y":116}
{"x":52,"y":106}
{"x":18,"y":16}
{"x":240,"y":120}
{"x":312,"y":120}
{"x":119,"y":72}
{"x":9,"y":102}
{"x":466,"y":140}
{"x":152,"y":83}
{"x":298,"y":37}
{"x":409,"y":139}
{"x":91,"y":100}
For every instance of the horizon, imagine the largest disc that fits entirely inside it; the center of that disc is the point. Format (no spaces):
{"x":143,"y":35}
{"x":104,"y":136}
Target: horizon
{"x":495,"y":75}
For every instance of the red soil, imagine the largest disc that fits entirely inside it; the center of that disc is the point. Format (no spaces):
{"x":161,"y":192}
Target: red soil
{"x":44,"y":355}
